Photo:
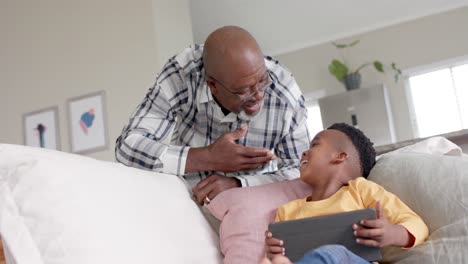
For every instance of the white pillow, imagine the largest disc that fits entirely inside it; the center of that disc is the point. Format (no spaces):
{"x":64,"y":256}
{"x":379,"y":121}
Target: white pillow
{"x":433,"y":145}
{"x":64,"y":208}
{"x":435,"y":187}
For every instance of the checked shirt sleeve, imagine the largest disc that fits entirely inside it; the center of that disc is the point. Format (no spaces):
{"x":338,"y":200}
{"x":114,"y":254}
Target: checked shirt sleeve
{"x":142,"y":142}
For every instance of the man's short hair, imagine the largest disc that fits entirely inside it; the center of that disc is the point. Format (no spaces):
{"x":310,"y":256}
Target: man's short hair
{"x":362,"y":144}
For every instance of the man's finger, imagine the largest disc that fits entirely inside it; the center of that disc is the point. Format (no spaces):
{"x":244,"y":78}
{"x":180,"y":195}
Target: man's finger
{"x":256,"y":152}
{"x":249,"y":167}
{"x":235,"y":135}
{"x":204,"y":192}
{"x":199,"y":193}
{"x":257,"y":160}
{"x":202,"y":197}
{"x":202,"y":183}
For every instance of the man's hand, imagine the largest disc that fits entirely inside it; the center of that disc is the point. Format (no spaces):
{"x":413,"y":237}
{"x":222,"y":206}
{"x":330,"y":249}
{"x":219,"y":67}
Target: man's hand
{"x":212,"y":186}
{"x":273,"y":245}
{"x":227,"y":156}
{"x":380,"y":232}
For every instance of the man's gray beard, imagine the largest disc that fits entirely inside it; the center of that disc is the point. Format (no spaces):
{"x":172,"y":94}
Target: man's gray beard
{"x":244,"y":116}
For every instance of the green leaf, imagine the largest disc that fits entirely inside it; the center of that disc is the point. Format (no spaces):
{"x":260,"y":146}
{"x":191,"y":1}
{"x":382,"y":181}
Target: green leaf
{"x":342,"y":46}
{"x":378,"y":66}
{"x":354,"y":43}
{"x":338,"y":69}
{"x":339,"y":46}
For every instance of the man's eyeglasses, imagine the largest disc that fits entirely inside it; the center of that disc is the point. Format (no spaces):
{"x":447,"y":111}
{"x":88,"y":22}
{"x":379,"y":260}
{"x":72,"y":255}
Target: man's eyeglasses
{"x":264,"y":83}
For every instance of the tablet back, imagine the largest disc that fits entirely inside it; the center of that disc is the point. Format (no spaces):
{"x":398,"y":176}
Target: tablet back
{"x":305,"y":234}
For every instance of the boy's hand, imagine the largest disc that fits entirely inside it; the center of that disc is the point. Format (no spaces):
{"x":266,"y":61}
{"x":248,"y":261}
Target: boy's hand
{"x":277,"y":259}
{"x":380,"y":232}
{"x":274,"y":246}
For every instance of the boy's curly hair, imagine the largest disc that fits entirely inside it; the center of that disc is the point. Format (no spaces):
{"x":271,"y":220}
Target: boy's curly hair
{"x":362,"y":144}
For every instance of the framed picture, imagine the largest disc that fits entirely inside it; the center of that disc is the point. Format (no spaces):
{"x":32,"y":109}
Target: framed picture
{"x":40,"y":128}
{"x":88,"y":123}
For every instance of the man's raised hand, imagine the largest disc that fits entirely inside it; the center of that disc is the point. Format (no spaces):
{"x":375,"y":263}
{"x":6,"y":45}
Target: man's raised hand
{"x":225,"y":155}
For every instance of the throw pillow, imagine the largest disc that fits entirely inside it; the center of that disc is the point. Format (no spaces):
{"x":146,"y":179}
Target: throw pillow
{"x":245,"y":214}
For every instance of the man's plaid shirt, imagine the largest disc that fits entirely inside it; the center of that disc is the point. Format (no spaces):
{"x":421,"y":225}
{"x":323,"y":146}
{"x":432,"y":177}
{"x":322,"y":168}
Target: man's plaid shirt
{"x":179,"y":112}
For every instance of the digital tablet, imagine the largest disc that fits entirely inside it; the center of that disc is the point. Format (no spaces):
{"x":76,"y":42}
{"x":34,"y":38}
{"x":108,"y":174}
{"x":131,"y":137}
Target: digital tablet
{"x":305,"y":234}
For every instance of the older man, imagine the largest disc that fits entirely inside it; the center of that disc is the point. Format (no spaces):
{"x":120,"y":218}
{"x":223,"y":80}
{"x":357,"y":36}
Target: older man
{"x":222,"y":115}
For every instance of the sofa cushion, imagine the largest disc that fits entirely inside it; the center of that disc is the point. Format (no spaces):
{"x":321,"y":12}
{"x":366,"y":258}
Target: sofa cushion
{"x":435,"y":187}
{"x":64,"y":208}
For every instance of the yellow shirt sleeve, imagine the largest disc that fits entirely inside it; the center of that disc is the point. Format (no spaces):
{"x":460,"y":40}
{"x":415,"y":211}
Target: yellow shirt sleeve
{"x":279,"y":214}
{"x":283,"y":212}
{"x":395,"y":210}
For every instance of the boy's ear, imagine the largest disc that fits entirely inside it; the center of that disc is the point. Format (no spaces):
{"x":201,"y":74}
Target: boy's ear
{"x":341,"y":156}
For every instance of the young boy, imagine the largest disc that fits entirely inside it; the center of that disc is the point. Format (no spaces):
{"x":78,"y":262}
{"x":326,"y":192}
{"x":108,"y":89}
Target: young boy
{"x":336,"y":167}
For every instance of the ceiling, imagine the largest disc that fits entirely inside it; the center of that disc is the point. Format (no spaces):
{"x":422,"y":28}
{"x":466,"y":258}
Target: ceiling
{"x":282,"y":26}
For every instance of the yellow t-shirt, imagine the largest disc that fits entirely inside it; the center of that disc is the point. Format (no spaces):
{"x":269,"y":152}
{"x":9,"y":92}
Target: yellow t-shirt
{"x":358,"y":194}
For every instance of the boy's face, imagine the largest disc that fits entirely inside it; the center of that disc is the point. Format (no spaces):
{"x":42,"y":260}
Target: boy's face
{"x":316,"y":162}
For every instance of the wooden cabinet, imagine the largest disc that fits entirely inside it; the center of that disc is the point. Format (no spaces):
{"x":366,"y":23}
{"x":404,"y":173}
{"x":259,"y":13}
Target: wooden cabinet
{"x":367,"y":109}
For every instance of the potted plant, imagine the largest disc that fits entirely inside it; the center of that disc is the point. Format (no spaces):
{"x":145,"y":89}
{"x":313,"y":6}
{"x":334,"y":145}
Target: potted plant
{"x":352,"y":78}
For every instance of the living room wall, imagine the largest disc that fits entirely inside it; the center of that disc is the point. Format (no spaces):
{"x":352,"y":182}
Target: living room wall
{"x":412,"y":44}
{"x":53,"y":50}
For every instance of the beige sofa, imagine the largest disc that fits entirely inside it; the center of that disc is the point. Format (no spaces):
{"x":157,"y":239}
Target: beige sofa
{"x":63,"y":208}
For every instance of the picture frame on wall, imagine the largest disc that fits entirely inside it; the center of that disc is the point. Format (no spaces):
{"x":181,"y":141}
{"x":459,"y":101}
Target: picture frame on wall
{"x":41,"y":129}
{"x":88,"y":123}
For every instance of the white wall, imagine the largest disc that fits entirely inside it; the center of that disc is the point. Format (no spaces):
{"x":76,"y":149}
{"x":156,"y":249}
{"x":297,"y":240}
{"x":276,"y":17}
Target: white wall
{"x":53,"y":50}
{"x":173,"y":27}
{"x":411,"y":44}
{"x":282,"y":27}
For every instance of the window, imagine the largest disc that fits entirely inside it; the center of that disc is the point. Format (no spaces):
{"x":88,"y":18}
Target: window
{"x":314,"y":120}
{"x":440,"y":100}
